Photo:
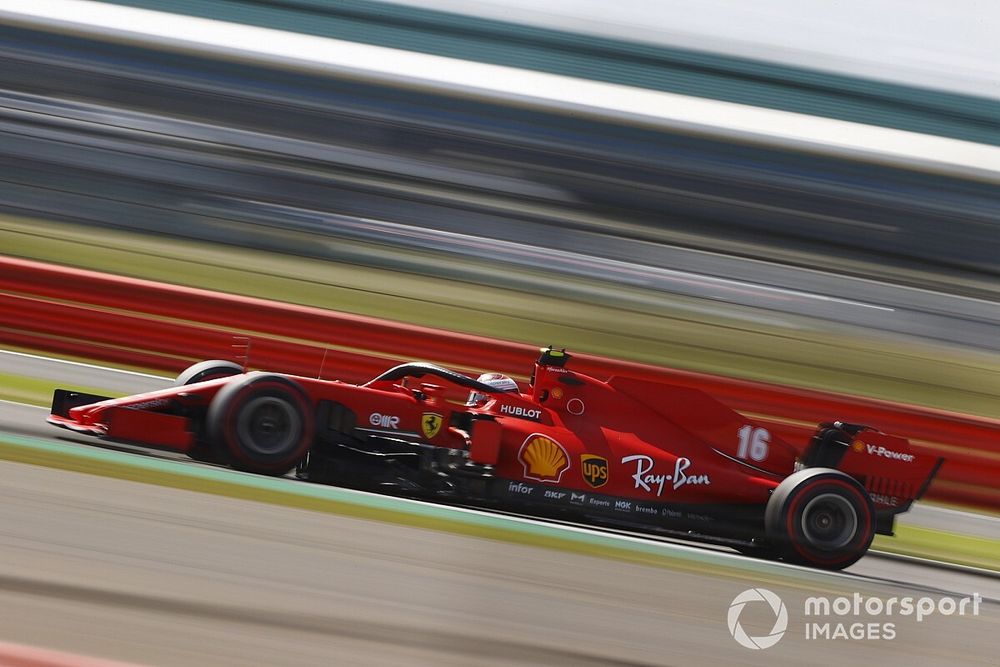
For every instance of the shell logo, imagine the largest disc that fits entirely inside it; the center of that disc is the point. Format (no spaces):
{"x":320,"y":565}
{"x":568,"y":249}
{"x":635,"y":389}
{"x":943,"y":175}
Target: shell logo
{"x":858,"y":446}
{"x":544,"y":459}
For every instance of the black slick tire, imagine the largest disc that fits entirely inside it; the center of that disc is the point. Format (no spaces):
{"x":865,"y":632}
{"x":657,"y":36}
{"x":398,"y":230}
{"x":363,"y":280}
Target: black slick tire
{"x":263,"y":421}
{"x":820,"y":517}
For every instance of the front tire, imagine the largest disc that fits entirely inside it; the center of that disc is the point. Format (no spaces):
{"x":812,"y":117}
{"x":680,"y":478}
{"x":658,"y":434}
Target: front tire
{"x":207,"y":370}
{"x":264,"y":422}
{"x":820,"y":517}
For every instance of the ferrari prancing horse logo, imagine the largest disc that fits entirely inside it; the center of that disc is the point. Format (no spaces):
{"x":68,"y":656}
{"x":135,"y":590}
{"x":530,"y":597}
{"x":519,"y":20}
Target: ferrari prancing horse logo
{"x":430,"y":424}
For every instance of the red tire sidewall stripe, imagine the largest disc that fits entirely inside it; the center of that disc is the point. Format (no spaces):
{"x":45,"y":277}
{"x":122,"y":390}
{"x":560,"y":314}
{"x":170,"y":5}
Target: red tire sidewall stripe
{"x":237,"y":400}
{"x":801,"y":493}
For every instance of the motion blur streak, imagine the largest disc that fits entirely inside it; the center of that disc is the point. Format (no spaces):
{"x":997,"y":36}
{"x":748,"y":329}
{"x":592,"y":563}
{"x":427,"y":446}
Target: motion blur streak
{"x":16,"y":655}
{"x":627,"y":104}
{"x":88,"y":163}
{"x":202,"y":324}
{"x":933,"y":46}
{"x":338,"y":157}
{"x":414,"y":157}
{"x":281,"y":586}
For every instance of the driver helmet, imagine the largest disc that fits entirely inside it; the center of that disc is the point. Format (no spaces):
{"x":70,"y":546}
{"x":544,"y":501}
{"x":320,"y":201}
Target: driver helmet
{"x":498,"y":381}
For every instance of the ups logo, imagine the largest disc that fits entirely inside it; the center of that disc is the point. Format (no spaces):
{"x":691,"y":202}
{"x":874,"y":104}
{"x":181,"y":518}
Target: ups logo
{"x":594,"y":469}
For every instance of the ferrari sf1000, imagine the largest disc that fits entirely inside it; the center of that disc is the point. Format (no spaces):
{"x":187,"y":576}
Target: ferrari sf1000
{"x":624,"y":452}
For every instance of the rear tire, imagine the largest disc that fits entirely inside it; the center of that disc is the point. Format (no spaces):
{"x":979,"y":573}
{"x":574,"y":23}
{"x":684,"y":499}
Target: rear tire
{"x":207,"y":370}
{"x":820,"y":517}
{"x":264,"y":422}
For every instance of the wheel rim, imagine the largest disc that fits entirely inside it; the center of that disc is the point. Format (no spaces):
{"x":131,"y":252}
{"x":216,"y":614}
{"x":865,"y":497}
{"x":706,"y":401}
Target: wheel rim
{"x":829,"y":521}
{"x":268,"y":425}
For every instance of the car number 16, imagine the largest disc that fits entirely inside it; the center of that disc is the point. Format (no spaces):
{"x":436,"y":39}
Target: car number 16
{"x":753,"y":441}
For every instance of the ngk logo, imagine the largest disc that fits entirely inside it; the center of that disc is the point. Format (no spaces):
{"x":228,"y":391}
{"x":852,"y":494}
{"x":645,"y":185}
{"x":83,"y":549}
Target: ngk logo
{"x":385,"y":421}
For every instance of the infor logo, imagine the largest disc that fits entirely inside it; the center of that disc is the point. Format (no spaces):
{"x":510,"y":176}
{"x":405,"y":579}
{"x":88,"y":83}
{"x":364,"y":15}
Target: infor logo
{"x":780,"y":618}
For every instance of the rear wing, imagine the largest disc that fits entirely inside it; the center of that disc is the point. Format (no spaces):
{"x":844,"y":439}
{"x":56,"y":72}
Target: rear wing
{"x":892,"y":472}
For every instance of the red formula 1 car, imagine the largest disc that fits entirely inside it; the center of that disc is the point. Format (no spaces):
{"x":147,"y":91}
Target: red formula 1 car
{"x":625,"y":453}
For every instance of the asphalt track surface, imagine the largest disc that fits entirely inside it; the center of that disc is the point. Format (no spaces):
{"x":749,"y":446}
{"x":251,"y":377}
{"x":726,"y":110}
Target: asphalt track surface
{"x":162,"y":576}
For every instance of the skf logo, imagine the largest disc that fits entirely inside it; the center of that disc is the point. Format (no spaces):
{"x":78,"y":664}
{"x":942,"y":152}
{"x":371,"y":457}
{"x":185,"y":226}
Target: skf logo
{"x":430,"y":424}
{"x":594,"y":469}
{"x":543,"y":459}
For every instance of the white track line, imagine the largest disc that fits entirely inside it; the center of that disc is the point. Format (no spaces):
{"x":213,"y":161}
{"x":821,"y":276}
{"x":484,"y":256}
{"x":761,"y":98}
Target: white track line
{"x":81,"y":364}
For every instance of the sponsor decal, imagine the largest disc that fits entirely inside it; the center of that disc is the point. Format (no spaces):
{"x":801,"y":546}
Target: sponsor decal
{"x":594,"y":470}
{"x":879,"y":499}
{"x":843,"y":618}
{"x":556,"y":393}
{"x":518,"y":411}
{"x":575,"y":406}
{"x":151,"y":404}
{"x":519,"y":488}
{"x":430,"y":424}
{"x":595,"y":502}
{"x":647,"y":480}
{"x":385,"y":421}
{"x":858,"y":446}
{"x":888,"y":453}
{"x":544,"y":459}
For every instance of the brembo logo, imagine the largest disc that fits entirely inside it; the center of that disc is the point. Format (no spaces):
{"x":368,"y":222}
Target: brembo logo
{"x":889,"y":454}
{"x":520,"y":412}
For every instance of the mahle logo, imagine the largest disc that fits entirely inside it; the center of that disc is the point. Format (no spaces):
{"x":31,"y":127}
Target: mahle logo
{"x":780,"y":618}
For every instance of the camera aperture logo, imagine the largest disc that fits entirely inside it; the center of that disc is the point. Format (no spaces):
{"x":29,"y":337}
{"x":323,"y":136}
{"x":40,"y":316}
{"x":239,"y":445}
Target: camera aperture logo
{"x":780,"y":618}
{"x":857,"y":617}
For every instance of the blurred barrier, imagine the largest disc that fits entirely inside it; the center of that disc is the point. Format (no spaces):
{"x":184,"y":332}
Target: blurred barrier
{"x":139,"y":322}
{"x":19,"y":655}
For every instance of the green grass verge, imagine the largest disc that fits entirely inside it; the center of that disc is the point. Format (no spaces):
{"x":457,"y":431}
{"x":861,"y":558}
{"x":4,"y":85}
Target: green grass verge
{"x":943,"y":546}
{"x":33,"y":391}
